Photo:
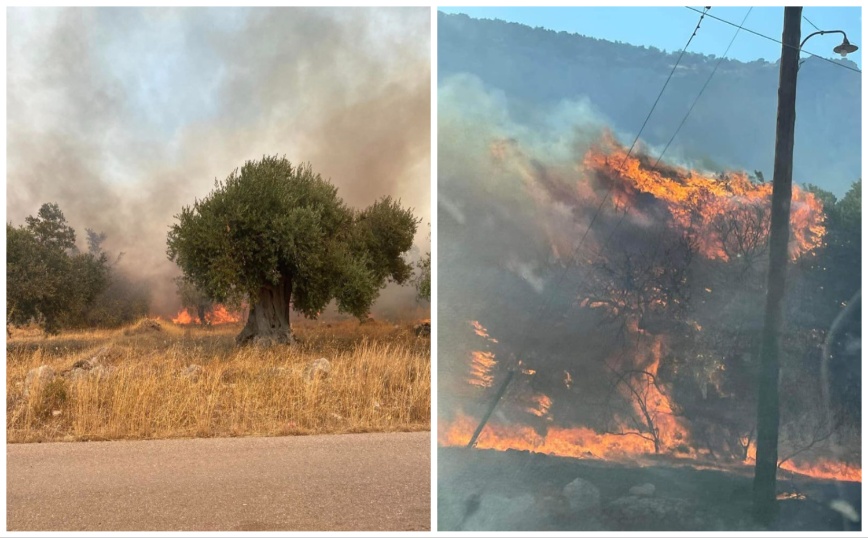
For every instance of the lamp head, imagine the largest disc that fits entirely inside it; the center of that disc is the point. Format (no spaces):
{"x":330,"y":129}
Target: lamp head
{"x":845,"y":48}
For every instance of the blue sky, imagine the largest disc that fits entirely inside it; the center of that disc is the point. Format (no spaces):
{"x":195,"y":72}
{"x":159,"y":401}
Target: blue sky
{"x":668,"y":28}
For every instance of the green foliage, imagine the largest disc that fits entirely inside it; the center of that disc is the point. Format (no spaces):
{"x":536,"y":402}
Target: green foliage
{"x":849,"y":210}
{"x":48,"y":280}
{"x":827,"y":198}
{"x":50,"y":228}
{"x":122,"y":302}
{"x":423,"y":280}
{"x":274,"y":223}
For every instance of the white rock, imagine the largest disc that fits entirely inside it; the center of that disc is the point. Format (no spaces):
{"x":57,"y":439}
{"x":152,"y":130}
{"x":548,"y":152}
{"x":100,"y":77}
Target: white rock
{"x":192,"y":372}
{"x":101,"y":372}
{"x":582,"y":495}
{"x":318,"y":369}
{"x":38,"y":377}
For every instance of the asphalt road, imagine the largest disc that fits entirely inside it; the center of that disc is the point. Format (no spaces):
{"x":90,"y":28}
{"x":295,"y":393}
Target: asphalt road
{"x":371,"y":481}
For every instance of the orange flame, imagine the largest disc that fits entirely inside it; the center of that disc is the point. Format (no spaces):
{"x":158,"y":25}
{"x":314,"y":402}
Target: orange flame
{"x":570,"y":442}
{"x":728,"y":214}
{"x":541,"y":406}
{"x":481,"y":365}
{"x":585,"y":443}
{"x":825,"y":469}
{"x":821,"y":468}
{"x":217,"y":316}
{"x":481,"y":331}
{"x":727,"y":217}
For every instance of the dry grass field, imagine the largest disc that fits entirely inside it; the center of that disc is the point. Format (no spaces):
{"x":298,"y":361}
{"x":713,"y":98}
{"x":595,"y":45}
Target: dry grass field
{"x":157,"y":380}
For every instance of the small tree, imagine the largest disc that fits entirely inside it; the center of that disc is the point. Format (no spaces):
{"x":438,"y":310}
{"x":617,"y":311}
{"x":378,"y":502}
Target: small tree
{"x":280,"y":235}
{"x":48,"y":279}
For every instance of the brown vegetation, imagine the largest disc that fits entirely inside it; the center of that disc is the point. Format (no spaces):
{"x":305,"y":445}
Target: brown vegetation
{"x":141,"y":383}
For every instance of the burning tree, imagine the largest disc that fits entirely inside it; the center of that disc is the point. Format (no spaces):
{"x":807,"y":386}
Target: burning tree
{"x":280,"y":235}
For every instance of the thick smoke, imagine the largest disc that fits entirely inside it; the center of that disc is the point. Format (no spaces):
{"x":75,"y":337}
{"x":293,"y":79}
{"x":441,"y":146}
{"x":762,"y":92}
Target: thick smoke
{"x":499,"y":221}
{"x":123,"y":116}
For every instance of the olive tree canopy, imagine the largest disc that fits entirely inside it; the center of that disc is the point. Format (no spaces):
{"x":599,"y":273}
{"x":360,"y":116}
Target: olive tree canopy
{"x":280,"y":235}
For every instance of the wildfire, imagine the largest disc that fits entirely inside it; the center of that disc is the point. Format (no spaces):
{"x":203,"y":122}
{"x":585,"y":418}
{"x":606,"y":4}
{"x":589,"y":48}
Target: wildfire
{"x":482,"y":331}
{"x":541,"y":405}
{"x":585,"y":443}
{"x":821,"y":468}
{"x":481,"y":366}
{"x":216,"y":316}
{"x":726,"y":217}
{"x":825,"y":469}
{"x":729,"y":215}
{"x":570,"y":442}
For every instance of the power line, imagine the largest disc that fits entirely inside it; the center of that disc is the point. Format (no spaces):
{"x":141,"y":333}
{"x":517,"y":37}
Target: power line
{"x":611,"y":187}
{"x":719,"y":61}
{"x":809,"y":22}
{"x":778,"y":41}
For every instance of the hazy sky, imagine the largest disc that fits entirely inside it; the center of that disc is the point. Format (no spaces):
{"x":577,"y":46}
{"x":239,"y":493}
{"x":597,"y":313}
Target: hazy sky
{"x":669,"y":28}
{"x":122,"y":115}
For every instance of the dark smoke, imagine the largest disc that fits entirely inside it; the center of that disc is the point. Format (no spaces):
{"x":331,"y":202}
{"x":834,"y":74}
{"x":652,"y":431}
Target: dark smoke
{"x":122,"y":116}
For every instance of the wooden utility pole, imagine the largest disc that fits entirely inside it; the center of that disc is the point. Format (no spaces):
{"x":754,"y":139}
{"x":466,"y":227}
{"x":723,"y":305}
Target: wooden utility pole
{"x":768,"y":406}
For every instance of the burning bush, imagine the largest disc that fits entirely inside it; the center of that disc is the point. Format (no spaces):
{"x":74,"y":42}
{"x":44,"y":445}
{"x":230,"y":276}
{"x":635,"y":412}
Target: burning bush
{"x":649,"y":344}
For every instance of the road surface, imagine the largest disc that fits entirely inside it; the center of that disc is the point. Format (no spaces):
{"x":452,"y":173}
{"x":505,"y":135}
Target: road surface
{"x":368,"y":481}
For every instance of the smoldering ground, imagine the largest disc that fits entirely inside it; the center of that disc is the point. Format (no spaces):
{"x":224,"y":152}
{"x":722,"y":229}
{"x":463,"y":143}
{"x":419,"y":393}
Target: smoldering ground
{"x":123,"y":116}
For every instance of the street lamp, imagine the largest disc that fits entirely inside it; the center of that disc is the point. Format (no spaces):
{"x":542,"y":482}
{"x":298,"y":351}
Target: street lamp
{"x":843,"y":49}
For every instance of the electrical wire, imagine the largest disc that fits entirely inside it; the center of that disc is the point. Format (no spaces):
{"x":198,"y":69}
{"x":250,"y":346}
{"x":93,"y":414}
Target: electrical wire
{"x":809,"y":22}
{"x":599,"y":209}
{"x":833,"y":62}
{"x":719,"y":61}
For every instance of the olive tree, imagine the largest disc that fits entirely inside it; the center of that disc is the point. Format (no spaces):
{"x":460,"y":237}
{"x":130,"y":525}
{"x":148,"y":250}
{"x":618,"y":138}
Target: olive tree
{"x":279,"y":235}
{"x":48,"y":279}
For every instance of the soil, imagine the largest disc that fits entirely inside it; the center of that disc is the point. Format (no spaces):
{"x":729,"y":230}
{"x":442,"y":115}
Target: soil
{"x":517,"y":490}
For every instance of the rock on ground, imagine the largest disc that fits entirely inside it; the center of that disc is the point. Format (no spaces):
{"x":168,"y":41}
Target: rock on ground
{"x":95,"y":367}
{"x":192,"y":372}
{"x":582,"y":495}
{"x":318,"y":369}
{"x":37,"y":377}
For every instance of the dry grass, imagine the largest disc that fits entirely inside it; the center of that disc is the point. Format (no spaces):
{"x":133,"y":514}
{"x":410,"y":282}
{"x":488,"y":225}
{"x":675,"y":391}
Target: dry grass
{"x":380,"y":380}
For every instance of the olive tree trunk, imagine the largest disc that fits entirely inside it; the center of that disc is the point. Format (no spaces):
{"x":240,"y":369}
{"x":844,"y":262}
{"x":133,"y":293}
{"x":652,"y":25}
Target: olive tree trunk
{"x":200,"y":311}
{"x":268,"y":322}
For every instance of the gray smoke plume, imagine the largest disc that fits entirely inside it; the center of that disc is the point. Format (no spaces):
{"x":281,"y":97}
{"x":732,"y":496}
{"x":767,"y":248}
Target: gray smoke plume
{"x":122,"y":116}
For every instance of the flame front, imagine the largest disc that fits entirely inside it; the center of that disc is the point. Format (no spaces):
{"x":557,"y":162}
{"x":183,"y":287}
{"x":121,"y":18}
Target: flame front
{"x":481,"y":367}
{"x":728,"y":215}
{"x":218,"y":315}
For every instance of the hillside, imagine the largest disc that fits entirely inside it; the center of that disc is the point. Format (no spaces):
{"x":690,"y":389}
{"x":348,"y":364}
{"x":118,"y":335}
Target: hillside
{"x":732,"y":125}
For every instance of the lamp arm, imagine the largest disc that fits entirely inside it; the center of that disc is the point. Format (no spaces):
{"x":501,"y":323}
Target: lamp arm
{"x":821,"y":32}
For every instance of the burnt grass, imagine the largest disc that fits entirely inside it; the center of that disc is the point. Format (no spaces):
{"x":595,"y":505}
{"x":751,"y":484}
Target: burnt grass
{"x":514,"y":490}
